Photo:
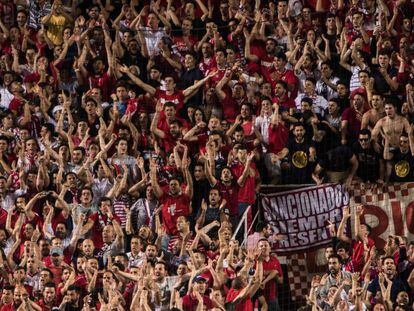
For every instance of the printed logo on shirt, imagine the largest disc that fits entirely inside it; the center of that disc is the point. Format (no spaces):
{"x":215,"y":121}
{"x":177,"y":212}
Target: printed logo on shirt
{"x":171,"y":209}
{"x":300,"y":159}
{"x":402,"y":168}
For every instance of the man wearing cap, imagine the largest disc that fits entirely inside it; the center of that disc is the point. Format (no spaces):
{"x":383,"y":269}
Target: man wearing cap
{"x":55,"y":265}
{"x":199,"y":287}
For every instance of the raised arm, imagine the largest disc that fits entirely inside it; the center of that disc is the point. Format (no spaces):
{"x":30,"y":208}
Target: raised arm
{"x":146,"y":87}
{"x":341,"y":229}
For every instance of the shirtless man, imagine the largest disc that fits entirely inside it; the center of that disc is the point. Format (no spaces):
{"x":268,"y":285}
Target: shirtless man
{"x":371,"y":117}
{"x":391,"y":126}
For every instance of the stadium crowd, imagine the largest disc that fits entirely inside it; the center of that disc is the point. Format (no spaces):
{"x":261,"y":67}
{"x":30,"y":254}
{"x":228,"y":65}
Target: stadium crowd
{"x":134,"y":136}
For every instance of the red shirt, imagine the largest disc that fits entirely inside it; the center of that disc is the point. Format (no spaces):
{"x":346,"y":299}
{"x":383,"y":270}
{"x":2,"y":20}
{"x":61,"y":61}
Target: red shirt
{"x":231,"y":107}
{"x":246,"y":193}
{"x":270,"y":290}
{"x":285,"y":102}
{"x":190,"y":302}
{"x":172,"y":208}
{"x":206,"y":66}
{"x":3,"y":218}
{"x":8,"y":307}
{"x":41,"y":303}
{"x":104,"y":82}
{"x":230,"y":194}
{"x":99,"y":221}
{"x":358,"y":253}
{"x":278,"y":136}
{"x":243,"y":305}
{"x":354,"y":123}
{"x":287,"y":76}
{"x":177,"y":98}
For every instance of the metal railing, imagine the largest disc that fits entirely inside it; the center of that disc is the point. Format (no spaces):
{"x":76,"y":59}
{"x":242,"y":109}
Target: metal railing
{"x":243,"y":222}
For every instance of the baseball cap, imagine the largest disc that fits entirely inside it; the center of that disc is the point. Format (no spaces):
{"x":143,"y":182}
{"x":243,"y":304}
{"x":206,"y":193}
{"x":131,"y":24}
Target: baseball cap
{"x":198,"y":279}
{"x":56,"y":251}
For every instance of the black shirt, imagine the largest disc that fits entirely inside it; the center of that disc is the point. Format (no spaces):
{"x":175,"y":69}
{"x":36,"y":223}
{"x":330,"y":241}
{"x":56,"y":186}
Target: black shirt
{"x":369,"y":162}
{"x":337,"y":159}
{"x":300,"y":167}
{"x":402,"y":166}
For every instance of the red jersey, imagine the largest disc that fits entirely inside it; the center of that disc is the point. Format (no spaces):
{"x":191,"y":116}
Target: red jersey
{"x":190,"y":302}
{"x":246,"y":193}
{"x":206,"y":66}
{"x":104,"y":82}
{"x":8,"y":307}
{"x":270,"y":290}
{"x":99,"y":222}
{"x":172,"y":208}
{"x":177,"y":98}
{"x":278,"y":136}
{"x":243,"y":305}
{"x":287,"y":76}
{"x":182,"y":46}
{"x":230,"y":194}
{"x":358,"y":251}
{"x":231,"y":107}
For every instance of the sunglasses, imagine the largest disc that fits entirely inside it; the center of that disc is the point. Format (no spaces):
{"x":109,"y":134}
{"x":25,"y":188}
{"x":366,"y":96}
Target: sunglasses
{"x":363,"y":139}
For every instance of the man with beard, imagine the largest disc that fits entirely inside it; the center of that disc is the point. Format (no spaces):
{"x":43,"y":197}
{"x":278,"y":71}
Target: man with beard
{"x":7,"y":298}
{"x":71,"y":300}
{"x":168,"y":139}
{"x":335,"y":276}
{"x":282,"y":97}
{"x":214,"y":211}
{"x":160,"y":273}
{"x":371,"y":117}
{"x":389,"y":273}
{"x":48,"y":302}
{"x":151,"y":253}
{"x":301,"y":161}
{"x":98,"y":76}
{"x":78,"y":157}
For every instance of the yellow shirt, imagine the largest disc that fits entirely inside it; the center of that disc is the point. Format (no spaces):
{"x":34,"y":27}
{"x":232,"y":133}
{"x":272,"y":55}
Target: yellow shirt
{"x":55,"y":28}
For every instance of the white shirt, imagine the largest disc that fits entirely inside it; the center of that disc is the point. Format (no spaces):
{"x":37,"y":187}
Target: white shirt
{"x":6,"y":97}
{"x":152,"y":38}
{"x":319,"y":102}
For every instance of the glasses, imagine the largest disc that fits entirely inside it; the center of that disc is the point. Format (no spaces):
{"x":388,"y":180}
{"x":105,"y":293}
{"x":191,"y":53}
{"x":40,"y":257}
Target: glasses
{"x":363,"y":139}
